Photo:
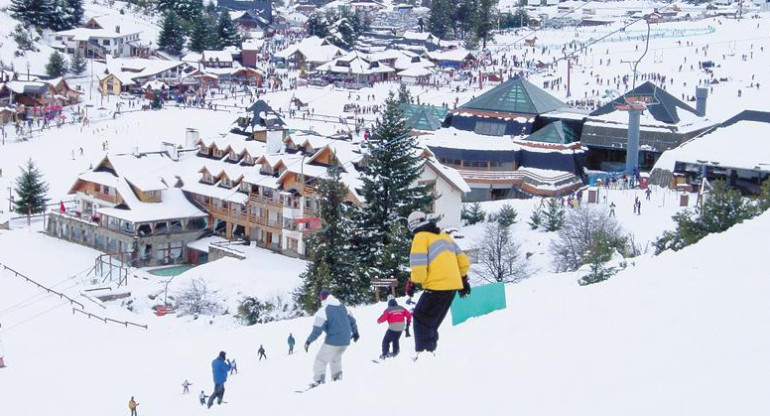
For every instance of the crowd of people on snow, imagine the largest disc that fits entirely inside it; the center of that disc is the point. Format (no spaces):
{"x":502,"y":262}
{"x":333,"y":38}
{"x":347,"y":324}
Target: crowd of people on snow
{"x":437,"y":264}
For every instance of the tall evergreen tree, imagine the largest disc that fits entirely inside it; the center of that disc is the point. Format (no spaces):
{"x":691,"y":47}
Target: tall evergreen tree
{"x":58,"y":19}
{"x":188,"y":9}
{"x":440,"y":22}
{"x":32,"y":12}
{"x":483,"y":23}
{"x":78,"y":64}
{"x":203,"y":35}
{"x":171,"y":38}
{"x":553,"y":217}
{"x":56,"y":66}
{"x":227,"y":32}
{"x":317,"y":26}
{"x":75,"y":12}
{"x":330,"y":265}
{"x":30,"y":190}
{"x":389,"y":188}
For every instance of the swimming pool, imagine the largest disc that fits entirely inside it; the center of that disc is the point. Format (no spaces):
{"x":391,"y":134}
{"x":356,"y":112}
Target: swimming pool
{"x":171,"y":271}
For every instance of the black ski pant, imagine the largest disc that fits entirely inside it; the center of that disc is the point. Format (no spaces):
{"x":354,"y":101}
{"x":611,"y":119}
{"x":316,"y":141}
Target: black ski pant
{"x":219,"y":393}
{"x":391,"y":337}
{"x":430,"y":311}
{"x":262,"y":355}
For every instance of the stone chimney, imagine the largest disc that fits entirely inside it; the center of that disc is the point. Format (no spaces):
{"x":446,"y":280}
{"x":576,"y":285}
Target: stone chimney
{"x":701,"y":95}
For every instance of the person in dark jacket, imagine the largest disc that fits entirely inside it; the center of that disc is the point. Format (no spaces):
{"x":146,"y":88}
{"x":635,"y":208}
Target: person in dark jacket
{"x":219,"y":368}
{"x":398,"y":319}
{"x":340,"y":326}
{"x":261,"y":352}
{"x":438,"y":264}
{"x":291,"y":343}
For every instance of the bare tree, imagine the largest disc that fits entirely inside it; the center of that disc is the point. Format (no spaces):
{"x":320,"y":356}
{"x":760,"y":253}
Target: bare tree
{"x":196,"y":298}
{"x":575,"y":239}
{"x":499,"y":256}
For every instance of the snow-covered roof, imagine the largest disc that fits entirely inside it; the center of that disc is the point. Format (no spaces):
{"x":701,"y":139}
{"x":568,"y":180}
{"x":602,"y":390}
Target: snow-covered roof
{"x":192,"y":58}
{"x":451,"y":175}
{"x":356,"y":64}
{"x":415,"y":71}
{"x":85,"y":34}
{"x":221,"y":56}
{"x":741,"y":143}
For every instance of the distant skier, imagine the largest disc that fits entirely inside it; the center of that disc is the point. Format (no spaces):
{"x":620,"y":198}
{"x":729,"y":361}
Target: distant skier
{"x":219,"y":368}
{"x":398,"y":319}
{"x":647,"y":193}
{"x":132,"y":404}
{"x":612,"y":209}
{"x":202,"y":398}
{"x":234,"y":367}
{"x":340,"y":326}
{"x":291,"y":343}
{"x":186,"y":387}
{"x":438,"y":264}
{"x":261,"y":352}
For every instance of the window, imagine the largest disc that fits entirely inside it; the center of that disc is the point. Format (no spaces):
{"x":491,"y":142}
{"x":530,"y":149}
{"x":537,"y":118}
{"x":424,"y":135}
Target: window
{"x":490,"y":128}
{"x":106,"y":42}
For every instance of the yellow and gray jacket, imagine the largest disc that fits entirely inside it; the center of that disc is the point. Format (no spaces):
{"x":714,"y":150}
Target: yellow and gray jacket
{"x":436,"y":261}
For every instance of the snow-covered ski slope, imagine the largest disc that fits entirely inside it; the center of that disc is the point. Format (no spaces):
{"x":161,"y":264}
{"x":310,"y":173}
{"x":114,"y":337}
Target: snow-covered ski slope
{"x":680,"y":334}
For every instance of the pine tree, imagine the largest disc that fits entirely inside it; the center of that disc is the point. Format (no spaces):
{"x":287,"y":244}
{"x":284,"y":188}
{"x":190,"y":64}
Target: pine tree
{"x":483,"y":20}
{"x":171,"y":38}
{"x":404,"y":96}
{"x":536,"y":219}
{"x":188,"y":9}
{"x":317,"y":26}
{"x":30,"y":190}
{"x":722,"y":208}
{"x":32,"y":12}
{"x":599,"y":253}
{"x":330,"y":266}
{"x":440,"y":22}
{"x":227,"y":32}
{"x":74,"y":12}
{"x":554,"y":215}
{"x":474,"y":214}
{"x":58,"y":19}
{"x":78,"y":64}
{"x":507,"y":216}
{"x":388,"y":181}
{"x":56,"y":66}
{"x":202,"y":36}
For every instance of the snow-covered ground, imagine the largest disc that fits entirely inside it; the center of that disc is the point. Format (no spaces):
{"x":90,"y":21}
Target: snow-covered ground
{"x":678,"y":334}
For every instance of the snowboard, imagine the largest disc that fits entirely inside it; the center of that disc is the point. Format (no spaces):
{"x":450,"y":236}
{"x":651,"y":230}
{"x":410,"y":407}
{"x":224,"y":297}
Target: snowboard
{"x":482,"y":300}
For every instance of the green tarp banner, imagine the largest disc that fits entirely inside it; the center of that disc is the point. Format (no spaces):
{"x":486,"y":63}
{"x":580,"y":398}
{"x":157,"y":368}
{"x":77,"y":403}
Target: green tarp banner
{"x":482,"y":300}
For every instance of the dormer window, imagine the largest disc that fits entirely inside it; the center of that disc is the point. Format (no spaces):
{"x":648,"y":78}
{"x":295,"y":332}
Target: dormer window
{"x":233,"y":156}
{"x":226,"y":183}
{"x":207,"y":177}
{"x":218,"y":153}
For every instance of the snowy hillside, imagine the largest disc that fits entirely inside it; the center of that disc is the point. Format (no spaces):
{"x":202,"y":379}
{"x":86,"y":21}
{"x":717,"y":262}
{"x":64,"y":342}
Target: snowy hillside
{"x":679,"y":334}
{"x":111,"y":14}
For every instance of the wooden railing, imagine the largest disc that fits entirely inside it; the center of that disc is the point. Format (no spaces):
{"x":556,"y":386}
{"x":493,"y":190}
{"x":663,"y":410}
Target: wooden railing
{"x":105,"y":320}
{"x":46,"y":288}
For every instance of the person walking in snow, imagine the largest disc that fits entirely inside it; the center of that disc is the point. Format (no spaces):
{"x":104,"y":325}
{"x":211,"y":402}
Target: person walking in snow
{"x":398,"y":319}
{"x":219,"y":369}
{"x":132,"y":404}
{"x":234,"y":367}
{"x":261,"y":352}
{"x":647,"y":193}
{"x":291,"y":343}
{"x":612,"y":209}
{"x":186,"y":387}
{"x":438,"y":264}
{"x":340,"y":326}
{"x":202,"y":398}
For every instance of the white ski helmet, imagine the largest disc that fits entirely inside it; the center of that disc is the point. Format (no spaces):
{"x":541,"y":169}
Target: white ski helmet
{"x":416,"y":220}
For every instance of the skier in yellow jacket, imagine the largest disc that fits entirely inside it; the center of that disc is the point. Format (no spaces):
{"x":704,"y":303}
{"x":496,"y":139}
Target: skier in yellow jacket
{"x":438,"y":264}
